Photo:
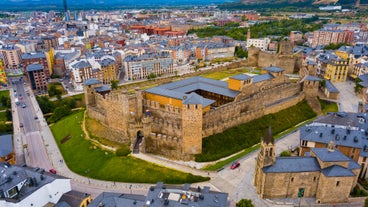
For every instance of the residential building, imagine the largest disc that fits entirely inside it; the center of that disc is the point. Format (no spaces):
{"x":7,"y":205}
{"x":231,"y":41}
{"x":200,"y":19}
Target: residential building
{"x":336,"y":70}
{"x":26,"y":186}
{"x":82,"y":70}
{"x":209,"y":50}
{"x":140,"y":67}
{"x":325,"y":37}
{"x":37,"y":75}
{"x":108,"y":69}
{"x":12,"y":56}
{"x":325,"y":173}
{"x":347,"y":130}
{"x":6,"y":149}
{"x":261,"y":43}
{"x":49,"y":42}
{"x":162,"y":195}
{"x":74,"y":199}
{"x":40,"y":58}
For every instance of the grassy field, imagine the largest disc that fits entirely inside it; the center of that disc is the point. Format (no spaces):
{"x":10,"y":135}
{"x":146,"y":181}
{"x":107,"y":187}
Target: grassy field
{"x":85,"y":159}
{"x":219,"y":75}
{"x":4,"y":97}
{"x":327,"y":106}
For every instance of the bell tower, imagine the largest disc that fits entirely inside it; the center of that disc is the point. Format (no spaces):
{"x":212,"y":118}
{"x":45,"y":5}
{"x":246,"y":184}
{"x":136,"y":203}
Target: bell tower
{"x":266,"y":157}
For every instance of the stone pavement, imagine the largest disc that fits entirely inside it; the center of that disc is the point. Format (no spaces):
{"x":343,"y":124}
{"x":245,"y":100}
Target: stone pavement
{"x":348,"y":101}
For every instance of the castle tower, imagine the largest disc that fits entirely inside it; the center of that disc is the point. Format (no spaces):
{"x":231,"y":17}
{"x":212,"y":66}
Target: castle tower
{"x":191,"y":128}
{"x":89,"y":91}
{"x":266,"y":157}
{"x":248,"y":34}
{"x":310,"y":86}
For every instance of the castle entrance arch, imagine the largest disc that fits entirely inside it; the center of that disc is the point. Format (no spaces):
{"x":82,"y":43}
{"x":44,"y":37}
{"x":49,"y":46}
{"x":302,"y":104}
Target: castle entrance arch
{"x":138,"y":140}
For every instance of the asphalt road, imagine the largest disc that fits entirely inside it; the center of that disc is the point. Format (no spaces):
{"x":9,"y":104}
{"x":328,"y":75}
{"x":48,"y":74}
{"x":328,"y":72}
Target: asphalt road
{"x":35,"y":152}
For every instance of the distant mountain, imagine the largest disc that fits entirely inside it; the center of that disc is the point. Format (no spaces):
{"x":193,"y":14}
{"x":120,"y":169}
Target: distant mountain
{"x":291,"y":2}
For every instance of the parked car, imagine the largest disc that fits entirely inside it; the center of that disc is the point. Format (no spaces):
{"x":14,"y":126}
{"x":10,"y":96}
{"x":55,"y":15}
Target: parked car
{"x":53,"y":171}
{"x":21,"y":125}
{"x":24,"y":105}
{"x":234,"y":165}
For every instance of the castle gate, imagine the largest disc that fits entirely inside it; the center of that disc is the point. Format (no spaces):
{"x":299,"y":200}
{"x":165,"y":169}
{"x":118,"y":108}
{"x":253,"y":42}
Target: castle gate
{"x":138,"y":140}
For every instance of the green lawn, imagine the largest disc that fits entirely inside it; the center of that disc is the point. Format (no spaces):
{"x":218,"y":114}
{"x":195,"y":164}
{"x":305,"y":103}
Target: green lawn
{"x":4,"y":100}
{"x":327,"y":106}
{"x":85,"y":159}
{"x":219,"y":75}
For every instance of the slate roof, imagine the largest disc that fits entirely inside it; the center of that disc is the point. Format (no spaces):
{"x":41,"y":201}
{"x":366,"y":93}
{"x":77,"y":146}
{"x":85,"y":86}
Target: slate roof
{"x":293,"y":164}
{"x":241,"y":77}
{"x":337,"y":171}
{"x":312,"y":78}
{"x":6,"y":145}
{"x":263,"y":77}
{"x":118,"y":200}
{"x":181,"y":89}
{"x":82,"y":64}
{"x":33,"y":55}
{"x":106,"y":62}
{"x":34,"y":67}
{"x":328,"y":156}
{"x":274,"y":69}
{"x":91,"y":81}
{"x":73,"y":198}
{"x":102,"y":88}
{"x":331,"y":88}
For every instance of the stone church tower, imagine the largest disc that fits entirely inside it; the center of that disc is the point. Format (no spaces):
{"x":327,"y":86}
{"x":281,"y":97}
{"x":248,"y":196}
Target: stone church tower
{"x":266,"y":157}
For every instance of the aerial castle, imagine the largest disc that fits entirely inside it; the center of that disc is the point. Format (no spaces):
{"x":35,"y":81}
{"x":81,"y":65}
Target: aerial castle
{"x":171,"y":119}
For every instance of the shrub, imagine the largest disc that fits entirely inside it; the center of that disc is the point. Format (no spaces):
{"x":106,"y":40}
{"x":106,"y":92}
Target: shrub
{"x":285,"y":153}
{"x":244,"y":203}
{"x":124,"y":150}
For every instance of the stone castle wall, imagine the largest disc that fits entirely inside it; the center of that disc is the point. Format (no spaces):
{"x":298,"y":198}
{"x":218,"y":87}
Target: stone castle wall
{"x":235,"y":113}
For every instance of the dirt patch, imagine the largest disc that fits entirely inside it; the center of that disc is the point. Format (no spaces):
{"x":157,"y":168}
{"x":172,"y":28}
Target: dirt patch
{"x":65,"y":139}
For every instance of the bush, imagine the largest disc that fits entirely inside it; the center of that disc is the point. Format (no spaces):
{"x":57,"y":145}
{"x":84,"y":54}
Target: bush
{"x":59,"y":113}
{"x":357,"y":192}
{"x":285,"y":153}
{"x":244,"y":203}
{"x":248,"y":134}
{"x":123,"y":151}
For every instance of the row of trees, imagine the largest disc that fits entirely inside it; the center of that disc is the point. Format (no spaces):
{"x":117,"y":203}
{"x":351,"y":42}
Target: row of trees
{"x":277,"y":28}
{"x":59,"y":108}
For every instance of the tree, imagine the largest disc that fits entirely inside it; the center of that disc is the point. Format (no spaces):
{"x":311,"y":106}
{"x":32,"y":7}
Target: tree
{"x":244,"y":203}
{"x":114,"y":84}
{"x":240,"y":53}
{"x":151,"y":76}
{"x":366,"y":202}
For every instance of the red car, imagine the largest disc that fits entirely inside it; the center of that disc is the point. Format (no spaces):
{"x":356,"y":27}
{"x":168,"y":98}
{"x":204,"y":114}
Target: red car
{"x":53,"y":171}
{"x":234,"y":165}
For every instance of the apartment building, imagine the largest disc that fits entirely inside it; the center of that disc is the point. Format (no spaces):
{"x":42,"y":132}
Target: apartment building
{"x":336,"y":70}
{"x":12,"y":56}
{"x":37,"y":75}
{"x":140,"y":67}
{"x":261,"y":43}
{"x":326,"y":37}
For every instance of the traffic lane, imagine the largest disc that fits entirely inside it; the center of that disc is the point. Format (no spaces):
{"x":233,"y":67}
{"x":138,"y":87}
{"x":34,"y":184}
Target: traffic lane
{"x":37,"y":154}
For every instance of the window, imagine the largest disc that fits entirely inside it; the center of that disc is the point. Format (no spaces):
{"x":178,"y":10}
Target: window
{"x":337,"y":183}
{"x":314,"y":179}
{"x":292,"y":179}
